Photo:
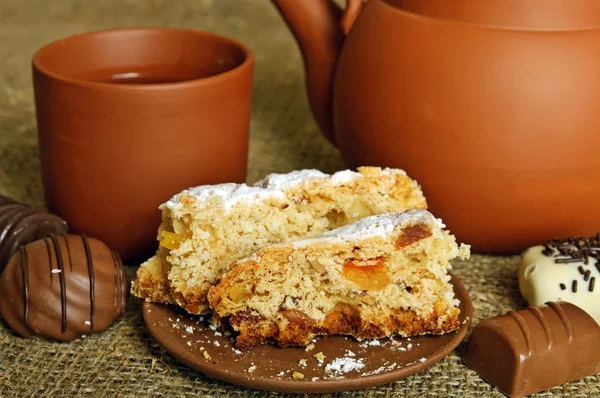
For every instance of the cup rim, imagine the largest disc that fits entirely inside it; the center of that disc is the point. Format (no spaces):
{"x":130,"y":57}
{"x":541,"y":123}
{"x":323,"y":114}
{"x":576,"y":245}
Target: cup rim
{"x":228,"y":74}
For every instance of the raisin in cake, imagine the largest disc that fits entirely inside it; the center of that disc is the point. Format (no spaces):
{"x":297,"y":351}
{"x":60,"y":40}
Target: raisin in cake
{"x":205,"y":229}
{"x":385,"y":274}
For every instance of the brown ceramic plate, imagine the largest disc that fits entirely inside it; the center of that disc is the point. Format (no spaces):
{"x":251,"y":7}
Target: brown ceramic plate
{"x":348,"y":364}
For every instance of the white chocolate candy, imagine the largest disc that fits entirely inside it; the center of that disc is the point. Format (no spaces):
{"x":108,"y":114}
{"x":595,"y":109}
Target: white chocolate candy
{"x":542,"y":279}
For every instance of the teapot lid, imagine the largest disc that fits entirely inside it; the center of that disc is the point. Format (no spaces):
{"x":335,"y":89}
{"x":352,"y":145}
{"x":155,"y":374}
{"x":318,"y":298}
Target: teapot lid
{"x":526,"y":14}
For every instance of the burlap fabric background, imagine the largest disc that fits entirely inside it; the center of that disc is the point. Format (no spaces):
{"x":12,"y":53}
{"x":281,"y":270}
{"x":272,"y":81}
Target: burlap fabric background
{"x":125,"y":361}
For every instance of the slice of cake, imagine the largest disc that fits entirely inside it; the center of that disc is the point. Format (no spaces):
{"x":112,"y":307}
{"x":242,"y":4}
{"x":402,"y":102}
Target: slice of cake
{"x":206,"y":229}
{"x":385,"y":274}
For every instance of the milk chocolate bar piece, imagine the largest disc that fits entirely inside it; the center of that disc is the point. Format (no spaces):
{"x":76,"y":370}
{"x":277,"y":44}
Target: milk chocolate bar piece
{"x":537,"y":348}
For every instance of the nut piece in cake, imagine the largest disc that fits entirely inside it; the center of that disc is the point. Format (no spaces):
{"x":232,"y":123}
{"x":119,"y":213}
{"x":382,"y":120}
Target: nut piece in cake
{"x":372,"y":284}
{"x":205,"y":229}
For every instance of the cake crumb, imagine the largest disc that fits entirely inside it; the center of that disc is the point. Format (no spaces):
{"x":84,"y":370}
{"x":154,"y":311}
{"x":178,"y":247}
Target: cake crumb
{"x":189,"y":329}
{"x":252,"y":368}
{"x":216,"y":343}
{"x":206,"y":355}
{"x":298,"y":376}
{"x":309,"y":347}
{"x":319,"y":356}
{"x":281,"y":373}
{"x":202,"y":348}
{"x":302,"y":362}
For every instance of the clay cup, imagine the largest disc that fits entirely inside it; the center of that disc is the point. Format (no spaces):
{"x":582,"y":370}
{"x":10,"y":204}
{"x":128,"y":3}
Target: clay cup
{"x":128,"y":118}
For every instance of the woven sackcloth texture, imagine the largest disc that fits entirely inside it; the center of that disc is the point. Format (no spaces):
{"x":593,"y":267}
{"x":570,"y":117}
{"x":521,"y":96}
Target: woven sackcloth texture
{"x":125,"y":361}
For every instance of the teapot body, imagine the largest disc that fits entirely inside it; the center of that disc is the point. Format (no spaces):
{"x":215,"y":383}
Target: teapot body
{"x":499,"y":124}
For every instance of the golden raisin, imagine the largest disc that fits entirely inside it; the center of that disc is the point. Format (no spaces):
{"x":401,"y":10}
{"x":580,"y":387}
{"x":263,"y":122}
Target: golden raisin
{"x":298,"y":317}
{"x":170,"y":240}
{"x":369,"y":275}
{"x":239,"y":294}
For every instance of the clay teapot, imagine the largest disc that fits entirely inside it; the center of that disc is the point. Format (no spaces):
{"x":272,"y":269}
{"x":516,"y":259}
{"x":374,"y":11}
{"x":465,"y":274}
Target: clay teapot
{"x":491,"y":105}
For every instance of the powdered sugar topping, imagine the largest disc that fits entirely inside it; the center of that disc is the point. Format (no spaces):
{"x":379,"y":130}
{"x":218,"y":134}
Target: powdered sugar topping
{"x":344,"y":177}
{"x":272,"y":186}
{"x":229,"y":194}
{"x":381,"y":225}
{"x":289,"y":180}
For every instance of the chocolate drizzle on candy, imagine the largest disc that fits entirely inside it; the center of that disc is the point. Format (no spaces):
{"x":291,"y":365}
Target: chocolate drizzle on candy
{"x":21,"y":224}
{"x":88,"y":297}
{"x":576,"y":250}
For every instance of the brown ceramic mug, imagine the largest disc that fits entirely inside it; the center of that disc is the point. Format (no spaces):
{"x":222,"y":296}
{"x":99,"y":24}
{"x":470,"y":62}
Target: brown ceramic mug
{"x":127,"y":118}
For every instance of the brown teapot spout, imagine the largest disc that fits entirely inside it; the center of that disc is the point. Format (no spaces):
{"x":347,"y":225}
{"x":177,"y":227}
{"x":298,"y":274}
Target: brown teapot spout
{"x":319,"y":27}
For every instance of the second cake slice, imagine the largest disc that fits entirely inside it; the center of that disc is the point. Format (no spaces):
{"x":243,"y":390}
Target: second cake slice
{"x":386,"y":274}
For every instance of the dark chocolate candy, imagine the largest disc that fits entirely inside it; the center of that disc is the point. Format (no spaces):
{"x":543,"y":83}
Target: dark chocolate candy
{"x":63,"y":287}
{"x":21,"y":224}
{"x":535,"y":349}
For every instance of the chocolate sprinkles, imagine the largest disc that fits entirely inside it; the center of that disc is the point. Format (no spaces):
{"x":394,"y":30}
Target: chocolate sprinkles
{"x":548,"y":252}
{"x":574,"y":250}
{"x":567,"y":260}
